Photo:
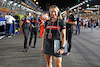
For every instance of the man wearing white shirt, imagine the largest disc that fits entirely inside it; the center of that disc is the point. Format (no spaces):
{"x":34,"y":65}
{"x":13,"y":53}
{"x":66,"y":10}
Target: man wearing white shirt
{"x":6,"y":16}
{"x":86,"y":22}
{"x":9,"y":23}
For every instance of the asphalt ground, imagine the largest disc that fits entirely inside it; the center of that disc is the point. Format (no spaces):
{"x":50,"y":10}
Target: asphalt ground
{"x":85,"y":51}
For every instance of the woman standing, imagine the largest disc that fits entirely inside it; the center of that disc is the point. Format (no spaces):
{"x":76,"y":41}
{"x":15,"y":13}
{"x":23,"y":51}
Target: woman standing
{"x":49,"y":37}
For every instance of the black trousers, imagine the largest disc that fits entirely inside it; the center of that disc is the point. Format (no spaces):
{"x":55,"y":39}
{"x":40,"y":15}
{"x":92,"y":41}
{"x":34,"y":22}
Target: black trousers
{"x":26,"y":33}
{"x":69,"y":39}
{"x":31,"y":37}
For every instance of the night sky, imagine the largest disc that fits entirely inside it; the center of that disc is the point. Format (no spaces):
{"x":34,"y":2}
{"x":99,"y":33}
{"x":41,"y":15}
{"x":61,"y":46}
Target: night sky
{"x":60,"y":3}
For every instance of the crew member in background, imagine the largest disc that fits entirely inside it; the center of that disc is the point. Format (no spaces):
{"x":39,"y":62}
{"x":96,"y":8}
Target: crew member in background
{"x":70,"y":20}
{"x":34,"y":30}
{"x":79,"y":20}
{"x":9,"y":24}
{"x":32,"y":16}
{"x":43,"y":18}
{"x":25,"y":24}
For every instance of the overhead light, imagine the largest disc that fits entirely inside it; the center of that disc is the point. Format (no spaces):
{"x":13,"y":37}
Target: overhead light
{"x":88,"y":5}
{"x":75,"y":10}
{"x":19,"y":5}
{"x":10,"y":2}
{"x":83,"y":2}
{"x":22,"y":6}
{"x":3,"y":1}
{"x":34,"y":0}
{"x":80,"y":4}
{"x":37,"y":2}
{"x":86,"y":0}
{"x":14,"y":4}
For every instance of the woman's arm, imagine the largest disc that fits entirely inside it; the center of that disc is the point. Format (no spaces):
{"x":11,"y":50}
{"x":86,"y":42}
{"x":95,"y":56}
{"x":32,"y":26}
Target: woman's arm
{"x":44,"y":35}
{"x":63,"y":37}
{"x":60,"y":51}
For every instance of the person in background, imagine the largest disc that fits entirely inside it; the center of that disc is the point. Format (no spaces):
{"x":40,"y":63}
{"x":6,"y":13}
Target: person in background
{"x":25,"y":24}
{"x":64,"y":17}
{"x":79,"y":20}
{"x":43,"y":18}
{"x":86,"y":22}
{"x":9,"y":24}
{"x":70,"y":21}
{"x":32,"y":16}
{"x":6,"y":16}
{"x":92,"y":24}
{"x":34,"y":30}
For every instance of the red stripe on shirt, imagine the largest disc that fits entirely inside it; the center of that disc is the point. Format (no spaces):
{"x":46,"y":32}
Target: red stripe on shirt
{"x":70,"y":19}
{"x":27,"y":21}
{"x":53,"y":27}
{"x":35,"y":21}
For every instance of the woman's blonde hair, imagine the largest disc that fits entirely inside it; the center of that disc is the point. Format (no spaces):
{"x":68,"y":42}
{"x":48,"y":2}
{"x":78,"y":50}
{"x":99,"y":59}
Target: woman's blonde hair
{"x":54,"y":6}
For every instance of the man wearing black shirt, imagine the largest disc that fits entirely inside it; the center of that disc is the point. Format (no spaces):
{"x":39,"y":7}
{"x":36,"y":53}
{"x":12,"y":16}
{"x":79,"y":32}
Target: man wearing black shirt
{"x":25,"y":24}
{"x":70,"y":20}
{"x":34,"y":30}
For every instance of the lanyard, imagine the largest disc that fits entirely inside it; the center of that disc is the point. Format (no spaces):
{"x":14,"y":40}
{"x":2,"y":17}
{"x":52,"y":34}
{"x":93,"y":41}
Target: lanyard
{"x":51,"y":24}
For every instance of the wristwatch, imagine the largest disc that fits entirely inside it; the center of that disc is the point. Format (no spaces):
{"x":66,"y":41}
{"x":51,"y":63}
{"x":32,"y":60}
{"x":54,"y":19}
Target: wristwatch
{"x":62,"y":47}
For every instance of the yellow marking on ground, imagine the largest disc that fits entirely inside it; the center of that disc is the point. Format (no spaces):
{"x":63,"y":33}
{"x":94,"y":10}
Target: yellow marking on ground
{"x":96,"y":39}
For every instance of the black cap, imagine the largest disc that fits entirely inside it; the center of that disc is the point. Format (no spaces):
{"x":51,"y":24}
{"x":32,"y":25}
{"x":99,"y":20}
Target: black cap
{"x":67,"y":9}
{"x":27,"y":13}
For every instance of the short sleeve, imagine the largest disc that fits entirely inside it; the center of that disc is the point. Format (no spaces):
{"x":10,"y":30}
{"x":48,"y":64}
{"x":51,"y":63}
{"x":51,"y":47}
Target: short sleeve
{"x":23,"y":18}
{"x":46,"y":24}
{"x":73,"y":18}
{"x":39,"y":19}
{"x":62,"y":24}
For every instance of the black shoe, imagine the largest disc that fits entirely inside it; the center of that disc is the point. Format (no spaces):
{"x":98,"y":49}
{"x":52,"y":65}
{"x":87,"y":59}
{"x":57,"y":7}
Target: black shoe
{"x":75,"y":34}
{"x":28,"y":47}
{"x":34,"y":46}
{"x":25,"y":50}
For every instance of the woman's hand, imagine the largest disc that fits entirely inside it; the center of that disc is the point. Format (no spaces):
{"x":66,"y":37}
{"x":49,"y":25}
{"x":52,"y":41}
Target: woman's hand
{"x":42,"y":49}
{"x":60,"y":51}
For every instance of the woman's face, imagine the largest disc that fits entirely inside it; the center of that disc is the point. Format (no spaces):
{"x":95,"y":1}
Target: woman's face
{"x":53,"y":12}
